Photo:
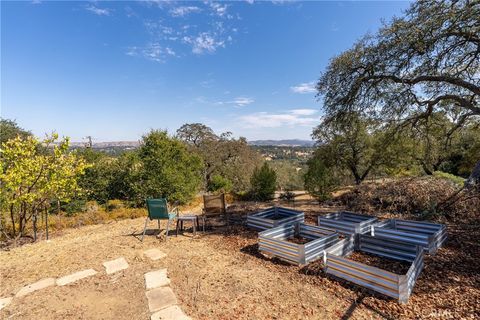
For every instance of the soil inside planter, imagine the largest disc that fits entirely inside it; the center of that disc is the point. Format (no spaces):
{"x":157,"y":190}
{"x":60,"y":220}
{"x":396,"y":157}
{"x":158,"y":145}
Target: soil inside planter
{"x":298,"y":240}
{"x":395,"y":266}
{"x":276,"y":216}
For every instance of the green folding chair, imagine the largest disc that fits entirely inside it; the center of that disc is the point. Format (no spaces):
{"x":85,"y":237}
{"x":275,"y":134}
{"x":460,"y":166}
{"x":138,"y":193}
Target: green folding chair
{"x":158,"y":210}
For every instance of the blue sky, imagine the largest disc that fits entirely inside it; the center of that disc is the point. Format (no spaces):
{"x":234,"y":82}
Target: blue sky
{"x":114,"y":70}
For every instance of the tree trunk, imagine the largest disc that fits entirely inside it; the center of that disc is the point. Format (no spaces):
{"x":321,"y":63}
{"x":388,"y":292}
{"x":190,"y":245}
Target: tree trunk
{"x":1,"y":223}
{"x":46,"y":222}
{"x":356,"y":176}
{"x":23,"y":213}
{"x":12,"y":217}
{"x":34,"y":220}
{"x":365,"y":174}
{"x":359,"y":178}
{"x":426,"y":169}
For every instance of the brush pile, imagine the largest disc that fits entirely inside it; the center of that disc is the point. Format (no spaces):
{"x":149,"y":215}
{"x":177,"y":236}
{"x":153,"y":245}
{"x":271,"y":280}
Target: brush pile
{"x":415,"y":198}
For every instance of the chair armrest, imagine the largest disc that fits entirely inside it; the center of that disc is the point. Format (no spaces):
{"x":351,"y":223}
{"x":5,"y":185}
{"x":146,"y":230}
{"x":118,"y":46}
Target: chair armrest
{"x":174,"y":209}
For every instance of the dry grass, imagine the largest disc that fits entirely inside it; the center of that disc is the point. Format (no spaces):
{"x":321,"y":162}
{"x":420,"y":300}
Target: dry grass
{"x":222,"y":275}
{"x":214,"y":276}
{"x":93,"y":214}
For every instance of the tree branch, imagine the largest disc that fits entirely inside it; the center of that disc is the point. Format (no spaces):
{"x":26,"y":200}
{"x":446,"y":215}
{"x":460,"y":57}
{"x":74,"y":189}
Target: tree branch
{"x":441,"y":78}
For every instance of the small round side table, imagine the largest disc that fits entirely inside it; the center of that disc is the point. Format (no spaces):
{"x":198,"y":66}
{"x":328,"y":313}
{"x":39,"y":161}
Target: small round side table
{"x":189,"y":217}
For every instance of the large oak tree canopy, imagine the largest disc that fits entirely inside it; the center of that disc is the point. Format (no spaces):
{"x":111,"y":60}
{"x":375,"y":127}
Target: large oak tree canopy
{"x":424,"y":62}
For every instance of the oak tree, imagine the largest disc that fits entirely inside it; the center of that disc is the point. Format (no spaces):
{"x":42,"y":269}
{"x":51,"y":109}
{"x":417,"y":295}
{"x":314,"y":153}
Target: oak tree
{"x":425,"y":62}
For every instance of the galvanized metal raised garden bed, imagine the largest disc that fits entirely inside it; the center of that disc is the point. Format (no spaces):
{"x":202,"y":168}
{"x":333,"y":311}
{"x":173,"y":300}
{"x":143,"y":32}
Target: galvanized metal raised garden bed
{"x":398,"y":286}
{"x":430,"y":236}
{"x":347,"y":222}
{"x":276,"y":242}
{"x":273,"y":217}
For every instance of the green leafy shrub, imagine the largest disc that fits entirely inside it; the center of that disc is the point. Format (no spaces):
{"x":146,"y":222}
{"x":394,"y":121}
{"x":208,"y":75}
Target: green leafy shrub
{"x":219,"y":184}
{"x":401,"y":172}
{"x":162,"y":167}
{"x":320,"y":181}
{"x":289,"y":174}
{"x":450,"y":177}
{"x":167,"y":169}
{"x":74,"y":206}
{"x":263,"y":183}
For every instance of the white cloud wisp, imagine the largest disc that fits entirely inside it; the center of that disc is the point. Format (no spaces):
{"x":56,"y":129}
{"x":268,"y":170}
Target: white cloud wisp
{"x":274,"y":120}
{"x":307,"y":87}
{"x":215,"y":28}
{"x":238,"y":102}
{"x":183,"y":11}
{"x":204,"y":43}
{"x":152,"y":51}
{"x":98,"y":11}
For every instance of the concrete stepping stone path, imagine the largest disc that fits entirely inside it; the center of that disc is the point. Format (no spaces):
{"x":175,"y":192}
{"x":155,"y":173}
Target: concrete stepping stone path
{"x":44,"y":283}
{"x":115,"y":265}
{"x":5,"y":302}
{"x":161,"y":298}
{"x":162,"y":301}
{"x":155,"y":279}
{"x":75,"y":277}
{"x":154,"y":254}
{"x":170,"y":313}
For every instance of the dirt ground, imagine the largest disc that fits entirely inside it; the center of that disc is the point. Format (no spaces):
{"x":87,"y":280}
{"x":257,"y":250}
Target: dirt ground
{"x":221,"y":275}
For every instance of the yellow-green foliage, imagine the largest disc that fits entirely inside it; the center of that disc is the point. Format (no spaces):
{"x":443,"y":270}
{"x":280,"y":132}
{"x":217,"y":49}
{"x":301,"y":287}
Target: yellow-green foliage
{"x":34,"y":173}
{"x":400,"y":172}
{"x":448,"y":176}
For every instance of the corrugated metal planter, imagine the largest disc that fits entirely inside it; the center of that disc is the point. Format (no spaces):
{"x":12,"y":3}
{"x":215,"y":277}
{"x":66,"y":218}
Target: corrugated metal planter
{"x":347,"y":222}
{"x":430,"y":236}
{"x":273,"y":217}
{"x":398,"y":286}
{"x":275,"y":242}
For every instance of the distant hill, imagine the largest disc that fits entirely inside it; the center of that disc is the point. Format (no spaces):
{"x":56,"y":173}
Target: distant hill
{"x":283,"y":143}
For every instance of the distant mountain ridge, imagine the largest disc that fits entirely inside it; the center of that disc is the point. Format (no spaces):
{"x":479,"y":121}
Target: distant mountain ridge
{"x":283,"y":143}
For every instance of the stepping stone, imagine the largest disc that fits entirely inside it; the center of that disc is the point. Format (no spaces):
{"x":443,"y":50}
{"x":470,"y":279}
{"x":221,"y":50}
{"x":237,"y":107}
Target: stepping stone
{"x":75,"y":276}
{"x":155,"y":279}
{"x":160,"y":298}
{"x":5,"y":302}
{"x":170,"y":313}
{"x":115,"y":265}
{"x":154,"y":254}
{"x":44,"y":283}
